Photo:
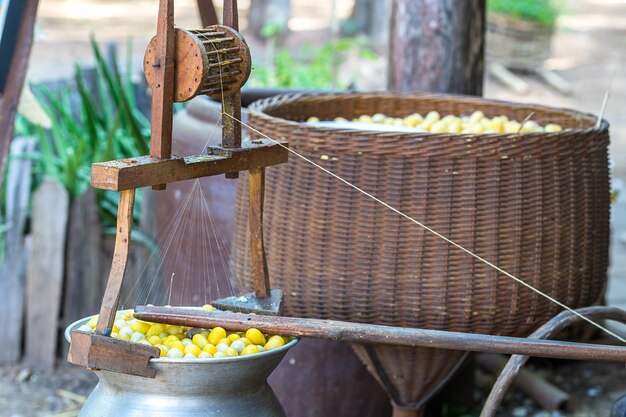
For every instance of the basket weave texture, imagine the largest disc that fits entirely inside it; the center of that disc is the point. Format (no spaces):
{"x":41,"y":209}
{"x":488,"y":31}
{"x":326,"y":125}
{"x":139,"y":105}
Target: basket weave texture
{"x":535,"y":204}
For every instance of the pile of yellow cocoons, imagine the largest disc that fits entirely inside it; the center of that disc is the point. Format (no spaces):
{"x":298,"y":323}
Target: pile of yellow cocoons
{"x":476,"y":123}
{"x":186,"y":342}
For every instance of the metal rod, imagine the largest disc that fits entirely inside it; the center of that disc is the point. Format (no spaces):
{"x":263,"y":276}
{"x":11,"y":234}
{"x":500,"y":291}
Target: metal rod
{"x":554,"y":326}
{"x":371,"y":333}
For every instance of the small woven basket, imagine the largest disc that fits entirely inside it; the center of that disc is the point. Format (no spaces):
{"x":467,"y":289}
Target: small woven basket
{"x":535,"y":204}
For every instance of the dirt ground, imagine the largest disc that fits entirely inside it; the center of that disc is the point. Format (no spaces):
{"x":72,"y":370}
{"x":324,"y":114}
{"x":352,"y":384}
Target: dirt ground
{"x":586,"y":53}
{"x":26,"y":393}
{"x":593,"y":387}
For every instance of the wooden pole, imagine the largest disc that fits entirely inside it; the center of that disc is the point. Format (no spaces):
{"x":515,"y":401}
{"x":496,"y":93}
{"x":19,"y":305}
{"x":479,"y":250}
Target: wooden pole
{"x":208,"y":16}
{"x":120,"y":262}
{"x":163,"y":87}
{"x":260,"y":274}
{"x":15,"y":80}
{"x":437,"y":46}
{"x":387,"y":335}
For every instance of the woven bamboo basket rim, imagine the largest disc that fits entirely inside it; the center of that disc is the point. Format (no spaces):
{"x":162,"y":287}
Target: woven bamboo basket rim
{"x":575,"y":123}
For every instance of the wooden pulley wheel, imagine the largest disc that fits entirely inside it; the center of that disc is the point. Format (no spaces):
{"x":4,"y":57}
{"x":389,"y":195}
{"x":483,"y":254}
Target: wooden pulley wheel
{"x":214,"y":61}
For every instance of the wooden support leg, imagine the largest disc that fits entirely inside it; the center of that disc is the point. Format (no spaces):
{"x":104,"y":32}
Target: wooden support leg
{"x":163,"y":88}
{"x":120,"y":261}
{"x":260,"y":273}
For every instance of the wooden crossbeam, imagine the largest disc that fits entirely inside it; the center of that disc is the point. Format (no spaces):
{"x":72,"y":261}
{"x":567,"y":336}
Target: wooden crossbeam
{"x":146,"y":171}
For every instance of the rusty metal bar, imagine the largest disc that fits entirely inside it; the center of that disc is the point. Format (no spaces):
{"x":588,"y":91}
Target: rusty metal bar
{"x":370,"y":333}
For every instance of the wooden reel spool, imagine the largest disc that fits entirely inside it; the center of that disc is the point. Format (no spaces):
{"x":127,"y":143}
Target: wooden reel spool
{"x":180,"y":64}
{"x":214,"y":61}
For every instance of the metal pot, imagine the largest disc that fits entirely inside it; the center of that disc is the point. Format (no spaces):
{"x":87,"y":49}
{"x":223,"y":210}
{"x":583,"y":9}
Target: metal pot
{"x":225,"y":387}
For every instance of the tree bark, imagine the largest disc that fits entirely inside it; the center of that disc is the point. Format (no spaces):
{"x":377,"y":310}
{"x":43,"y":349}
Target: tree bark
{"x":15,"y":80}
{"x":437,"y":46}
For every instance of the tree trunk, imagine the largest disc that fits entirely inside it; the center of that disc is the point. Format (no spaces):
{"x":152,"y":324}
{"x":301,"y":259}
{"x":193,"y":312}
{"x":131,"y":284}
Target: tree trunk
{"x":437,"y":46}
{"x":264,"y":12}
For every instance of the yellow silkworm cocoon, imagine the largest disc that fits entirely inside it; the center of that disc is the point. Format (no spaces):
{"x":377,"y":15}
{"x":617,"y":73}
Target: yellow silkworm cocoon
{"x":250,"y":350}
{"x":141,"y":327}
{"x":174,"y":353}
{"x":439,"y":127}
{"x":174,"y":329}
{"x":193,"y":349}
{"x":274,"y":342}
{"x":216,"y":335}
{"x":230,"y":352}
{"x":379,"y":118}
{"x":200,"y":340}
{"x":433,"y":115}
{"x":155,"y":329}
{"x":476,"y":116}
{"x":255,"y":337}
{"x":553,"y":128}
{"x":210,"y":349}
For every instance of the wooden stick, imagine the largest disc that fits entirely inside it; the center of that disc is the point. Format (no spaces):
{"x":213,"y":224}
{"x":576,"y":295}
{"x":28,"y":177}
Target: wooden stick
{"x":15,"y":79}
{"x":370,"y":333}
{"x":260,"y":273}
{"x":163,"y":87}
{"x":208,"y":16}
{"x":120,"y":261}
{"x":231,"y":104}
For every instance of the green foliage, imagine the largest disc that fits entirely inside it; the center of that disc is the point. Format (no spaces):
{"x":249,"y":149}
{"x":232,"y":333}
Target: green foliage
{"x":272,"y":29}
{"x":107,"y":125}
{"x":544,"y":12}
{"x":314,"y":68}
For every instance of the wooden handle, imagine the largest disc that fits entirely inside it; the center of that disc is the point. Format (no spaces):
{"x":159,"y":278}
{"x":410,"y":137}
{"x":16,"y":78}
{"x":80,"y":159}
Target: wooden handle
{"x":111,"y":297}
{"x":370,"y":333}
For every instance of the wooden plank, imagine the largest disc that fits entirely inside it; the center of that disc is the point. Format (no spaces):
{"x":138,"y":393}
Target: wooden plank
{"x":44,"y":279}
{"x":146,"y":171}
{"x":15,"y":79}
{"x":388,"y":335}
{"x":112,"y":292}
{"x":84,"y":283}
{"x":12,"y":269}
{"x":260,"y":273}
{"x":100,"y":352}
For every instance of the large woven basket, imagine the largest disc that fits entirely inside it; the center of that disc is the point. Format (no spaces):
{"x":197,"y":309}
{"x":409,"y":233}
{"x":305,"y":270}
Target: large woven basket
{"x":535,"y":204}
